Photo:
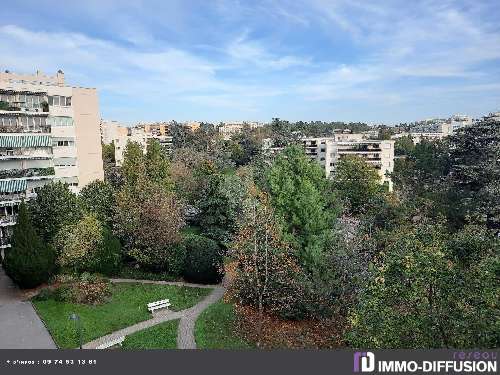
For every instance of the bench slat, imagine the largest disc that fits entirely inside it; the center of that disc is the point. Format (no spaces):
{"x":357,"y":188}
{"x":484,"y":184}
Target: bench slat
{"x":159,"y":307}
{"x":162,"y":302}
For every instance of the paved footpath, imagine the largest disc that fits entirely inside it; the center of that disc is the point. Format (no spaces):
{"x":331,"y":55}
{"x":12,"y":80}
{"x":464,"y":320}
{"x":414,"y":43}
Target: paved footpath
{"x":20,"y":326}
{"x":185,"y":332}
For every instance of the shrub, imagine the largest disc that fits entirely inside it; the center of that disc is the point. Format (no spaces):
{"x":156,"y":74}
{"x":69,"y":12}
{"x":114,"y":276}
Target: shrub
{"x":87,"y":289}
{"x":29,"y":262}
{"x":176,"y":260}
{"x":203,"y":262}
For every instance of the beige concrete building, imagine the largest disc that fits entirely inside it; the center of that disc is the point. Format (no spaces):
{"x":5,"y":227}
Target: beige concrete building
{"x":111,"y":130}
{"x":227,"y":130}
{"x":49,"y":131}
{"x":140,"y":133}
{"x":126,"y":135}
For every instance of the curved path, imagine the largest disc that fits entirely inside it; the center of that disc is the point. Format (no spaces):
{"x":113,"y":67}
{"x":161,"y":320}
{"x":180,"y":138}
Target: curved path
{"x":185,"y":333}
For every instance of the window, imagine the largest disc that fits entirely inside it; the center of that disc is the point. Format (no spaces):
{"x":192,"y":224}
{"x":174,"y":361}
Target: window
{"x":64,"y":101}
{"x":62,"y":143}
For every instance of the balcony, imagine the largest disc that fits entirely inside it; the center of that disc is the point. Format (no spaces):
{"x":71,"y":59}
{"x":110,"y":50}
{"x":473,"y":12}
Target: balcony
{"x":22,"y":129}
{"x":8,"y":220}
{"x":4,"y":242}
{"x":29,"y":172}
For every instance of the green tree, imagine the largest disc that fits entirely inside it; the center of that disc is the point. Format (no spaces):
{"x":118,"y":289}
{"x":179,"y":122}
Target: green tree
{"x":98,"y":198}
{"x":404,"y":146}
{"x":219,"y":203}
{"x":29,"y":262}
{"x":419,"y":296}
{"x":148,"y":220}
{"x":266,"y":272}
{"x":357,"y":182}
{"x":245,"y":146}
{"x":134,"y":164}
{"x":54,"y":206}
{"x":204,"y":260}
{"x":157,"y":164}
{"x":474,"y":175}
{"x":88,"y":246}
{"x":108,"y":153}
{"x":302,"y":199}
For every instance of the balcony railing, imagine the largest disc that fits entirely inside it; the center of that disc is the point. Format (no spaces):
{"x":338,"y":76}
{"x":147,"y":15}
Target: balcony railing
{"x":8,"y":220}
{"x":29,"y":172}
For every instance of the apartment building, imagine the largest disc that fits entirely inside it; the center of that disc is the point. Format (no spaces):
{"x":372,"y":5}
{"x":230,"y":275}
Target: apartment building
{"x":141,"y":134}
{"x":328,"y":151}
{"x":436,"y":129}
{"x":227,"y":130}
{"x":49,"y":131}
{"x":126,"y":135}
{"x":111,"y":130}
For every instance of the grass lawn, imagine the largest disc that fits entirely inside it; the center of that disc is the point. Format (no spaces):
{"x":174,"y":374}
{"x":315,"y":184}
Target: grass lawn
{"x":126,"y":307}
{"x":161,"y":336}
{"x":214,"y":329}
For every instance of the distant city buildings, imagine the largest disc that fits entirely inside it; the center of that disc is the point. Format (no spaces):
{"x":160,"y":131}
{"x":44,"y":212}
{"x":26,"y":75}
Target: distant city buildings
{"x":113,"y":132}
{"x":227,"y":130}
{"x":436,"y":129}
{"x":49,"y":131}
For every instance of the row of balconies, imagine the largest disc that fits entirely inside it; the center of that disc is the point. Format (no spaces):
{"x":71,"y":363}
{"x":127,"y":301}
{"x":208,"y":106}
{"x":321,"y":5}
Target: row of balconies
{"x":29,"y":172}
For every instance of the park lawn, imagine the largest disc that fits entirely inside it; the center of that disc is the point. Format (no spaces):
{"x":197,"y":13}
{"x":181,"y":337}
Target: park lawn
{"x":161,"y":336}
{"x":126,"y":307}
{"x":214,"y":329}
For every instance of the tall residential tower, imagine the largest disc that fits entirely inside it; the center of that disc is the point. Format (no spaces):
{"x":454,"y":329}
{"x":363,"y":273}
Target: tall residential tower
{"x":49,"y":131}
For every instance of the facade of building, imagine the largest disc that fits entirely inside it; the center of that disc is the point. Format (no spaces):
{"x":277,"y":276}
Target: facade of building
{"x":329,"y":150}
{"x":126,"y":135}
{"x":111,"y":130}
{"x":49,"y":131}
{"x":227,"y":130}
{"x":140,"y":134}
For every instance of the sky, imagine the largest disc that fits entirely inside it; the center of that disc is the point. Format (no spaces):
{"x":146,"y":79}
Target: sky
{"x":223,"y":60}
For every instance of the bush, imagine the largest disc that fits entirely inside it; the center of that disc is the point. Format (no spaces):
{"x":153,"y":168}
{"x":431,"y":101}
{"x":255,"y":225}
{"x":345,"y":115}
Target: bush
{"x":109,"y":257}
{"x":203,"y":262}
{"x":176,"y":260}
{"x":29,"y":262}
{"x":87,"y":289}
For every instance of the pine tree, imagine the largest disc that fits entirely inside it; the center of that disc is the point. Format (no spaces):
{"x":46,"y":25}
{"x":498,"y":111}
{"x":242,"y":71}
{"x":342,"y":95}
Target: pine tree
{"x":29,"y":262}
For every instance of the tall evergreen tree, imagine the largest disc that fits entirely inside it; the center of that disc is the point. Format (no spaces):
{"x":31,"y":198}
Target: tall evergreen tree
{"x":29,"y":262}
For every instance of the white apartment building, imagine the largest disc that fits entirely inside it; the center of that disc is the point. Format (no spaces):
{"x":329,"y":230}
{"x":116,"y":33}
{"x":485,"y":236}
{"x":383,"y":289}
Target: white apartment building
{"x":436,"y":129}
{"x":329,"y":150}
{"x":49,"y":131}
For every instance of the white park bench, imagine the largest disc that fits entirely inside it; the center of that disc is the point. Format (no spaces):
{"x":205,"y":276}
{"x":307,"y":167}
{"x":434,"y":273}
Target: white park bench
{"x":163,"y":304}
{"x":109,"y":344}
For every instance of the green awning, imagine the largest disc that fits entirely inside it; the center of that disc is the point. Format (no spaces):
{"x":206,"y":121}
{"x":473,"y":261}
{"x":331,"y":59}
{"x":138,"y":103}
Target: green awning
{"x":13,"y":185}
{"x":21,"y":141}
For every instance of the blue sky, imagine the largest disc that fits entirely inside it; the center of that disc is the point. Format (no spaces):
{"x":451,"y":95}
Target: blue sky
{"x":373,"y":61}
